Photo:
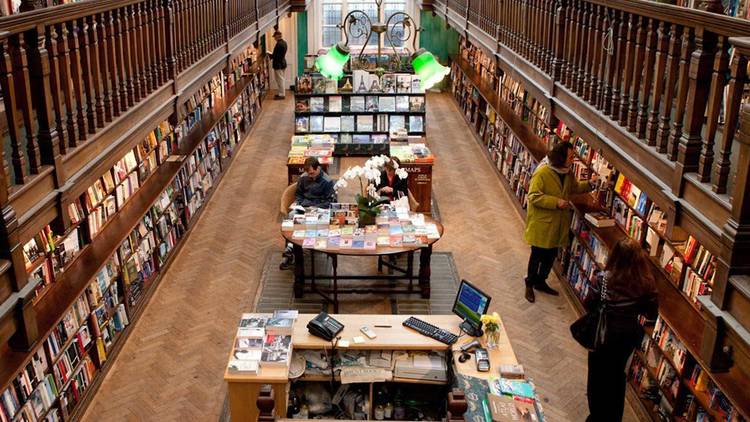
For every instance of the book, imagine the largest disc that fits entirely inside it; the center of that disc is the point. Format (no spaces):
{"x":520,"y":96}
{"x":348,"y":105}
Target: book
{"x":319,"y":85}
{"x":286,"y":313}
{"x":512,"y":371}
{"x":512,"y":387}
{"x":600,"y":219}
{"x":402,"y":103}
{"x":403,"y":83}
{"x":334,"y":104}
{"x":276,"y":350}
{"x":347,"y":123}
{"x":247,"y":354}
{"x":332,"y":124}
{"x":317,"y":105}
{"x":396,"y":122}
{"x":302,"y":105}
{"x":279,"y":325}
{"x":304,"y":84}
{"x":509,"y":409}
{"x":388,"y":83}
{"x":371,"y":103}
{"x":357,"y":104}
{"x":364,"y":123}
{"x":244,"y":366}
{"x":416,"y":124}
{"x":387,"y":103}
{"x":301,"y":124}
{"x":316,"y":123}
{"x":332,"y":86}
{"x":416,"y":104}
{"x":252,"y":321}
{"x":251,"y":332}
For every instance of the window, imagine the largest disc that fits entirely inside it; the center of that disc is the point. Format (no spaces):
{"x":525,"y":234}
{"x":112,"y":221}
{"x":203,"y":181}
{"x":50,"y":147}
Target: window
{"x":333,"y":11}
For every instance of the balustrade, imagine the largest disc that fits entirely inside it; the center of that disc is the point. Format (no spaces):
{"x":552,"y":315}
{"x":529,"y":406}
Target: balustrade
{"x":67,"y":75}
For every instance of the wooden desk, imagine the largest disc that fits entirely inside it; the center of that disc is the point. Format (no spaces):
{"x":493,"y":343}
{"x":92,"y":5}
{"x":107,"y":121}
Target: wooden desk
{"x":245,"y":388}
{"x":300,"y":276}
{"x":420,"y":184}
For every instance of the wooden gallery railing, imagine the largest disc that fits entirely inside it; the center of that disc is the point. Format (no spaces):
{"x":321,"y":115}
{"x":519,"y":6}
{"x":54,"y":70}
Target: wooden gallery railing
{"x":662,"y":87}
{"x":76,"y":80}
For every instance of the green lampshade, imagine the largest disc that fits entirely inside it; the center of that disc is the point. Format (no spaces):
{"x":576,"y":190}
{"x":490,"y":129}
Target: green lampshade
{"x":332,"y":64}
{"x":429,"y":70}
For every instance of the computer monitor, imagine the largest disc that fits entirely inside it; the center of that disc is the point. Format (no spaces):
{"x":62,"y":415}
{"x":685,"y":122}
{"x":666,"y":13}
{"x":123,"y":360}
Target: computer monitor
{"x":471,"y":303}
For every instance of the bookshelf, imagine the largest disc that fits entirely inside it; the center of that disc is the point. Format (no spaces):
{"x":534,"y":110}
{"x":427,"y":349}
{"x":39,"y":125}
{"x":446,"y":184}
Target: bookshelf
{"x":359,"y":111}
{"x":110,"y":279}
{"x":667,"y":378}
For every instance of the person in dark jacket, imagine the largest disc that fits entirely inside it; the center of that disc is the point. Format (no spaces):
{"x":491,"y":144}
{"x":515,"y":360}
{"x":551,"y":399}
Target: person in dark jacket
{"x":314,"y":189}
{"x":630,"y":292}
{"x":278,"y":63}
{"x":391,"y":185}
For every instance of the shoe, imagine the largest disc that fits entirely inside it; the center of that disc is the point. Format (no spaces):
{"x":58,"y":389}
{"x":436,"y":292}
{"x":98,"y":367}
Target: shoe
{"x":544,"y":288}
{"x":278,"y":97}
{"x":530,"y":295}
{"x":286,"y":263}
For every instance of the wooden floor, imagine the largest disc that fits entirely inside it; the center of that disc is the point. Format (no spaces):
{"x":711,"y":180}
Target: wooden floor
{"x":172,"y":365}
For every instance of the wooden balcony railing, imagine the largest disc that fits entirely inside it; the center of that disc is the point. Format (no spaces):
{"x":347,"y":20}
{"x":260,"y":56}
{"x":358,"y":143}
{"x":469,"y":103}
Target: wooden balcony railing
{"x":69,"y":71}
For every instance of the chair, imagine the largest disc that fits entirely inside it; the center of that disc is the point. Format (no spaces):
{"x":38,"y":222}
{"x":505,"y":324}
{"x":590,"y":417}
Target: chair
{"x":287,"y":198}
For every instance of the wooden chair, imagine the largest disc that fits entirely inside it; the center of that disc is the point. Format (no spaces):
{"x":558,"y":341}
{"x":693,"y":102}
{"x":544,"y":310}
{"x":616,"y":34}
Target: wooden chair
{"x":413,"y":204}
{"x":287,"y":198}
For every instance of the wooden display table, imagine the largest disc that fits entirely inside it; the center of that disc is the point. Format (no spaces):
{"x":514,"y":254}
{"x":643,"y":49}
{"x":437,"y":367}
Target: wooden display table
{"x":301,"y":276}
{"x":244,"y":389}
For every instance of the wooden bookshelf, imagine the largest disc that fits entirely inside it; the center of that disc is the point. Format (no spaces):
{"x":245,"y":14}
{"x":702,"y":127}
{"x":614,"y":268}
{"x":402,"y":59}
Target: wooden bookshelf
{"x":478,"y":98}
{"x":77,"y":277}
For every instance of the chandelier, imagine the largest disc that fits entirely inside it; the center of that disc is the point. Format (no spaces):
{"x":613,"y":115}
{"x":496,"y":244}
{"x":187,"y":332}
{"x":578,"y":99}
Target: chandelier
{"x":397,"y":30}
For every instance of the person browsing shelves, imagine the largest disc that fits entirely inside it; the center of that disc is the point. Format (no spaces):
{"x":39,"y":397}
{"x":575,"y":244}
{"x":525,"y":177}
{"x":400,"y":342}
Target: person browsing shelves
{"x":548,"y":215}
{"x":314,"y":189}
{"x":391,"y":184}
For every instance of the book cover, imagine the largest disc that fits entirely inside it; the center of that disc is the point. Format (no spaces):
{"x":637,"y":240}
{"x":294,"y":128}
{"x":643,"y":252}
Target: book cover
{"x":319,"y":85}
{"x":397,"y":122}
{"x":244,"y":366}
{"x":334,"y":104}
{"x":403,"y":83}
{"x":309,"y":242}
{"x":509,"y":409}
{"x":388,"y":83}
{"x":317,"y":104}
{"x":402,"y":103}
{"x":361,"y":138}
{"x":252,"y":321}
{"x":364,"y":123}
{"x":286,"y":313}
{"x":332,"y":124}
{"x":304,"y":84}
{"x":387,"y":103}
{"x":331,"y":86}
{"x":347,"y":123}
{"x":371,"y":103}
{"x":416,"y":104}
{"x":249,"y":343}
{"x":513,"y":387}
{"x":301,"y":124}
{"x":276,"y":350}
{"x":302,"y":105}
{"x":251,"y":332}
{"x":279,"y":325}
{"x":357,"y":104}
{"x":416,"y":124}
{"x":316,"y":123}
{"x":247,"y":354}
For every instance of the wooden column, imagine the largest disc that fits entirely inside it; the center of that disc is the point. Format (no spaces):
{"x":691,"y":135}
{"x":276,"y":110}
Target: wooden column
{"x":698,"y":85}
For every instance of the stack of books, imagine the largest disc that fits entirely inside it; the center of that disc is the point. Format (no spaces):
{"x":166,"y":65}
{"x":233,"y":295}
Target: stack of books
{"x":262,"y":341}
{"x":512,"y":397}
{"x":303,"y":146}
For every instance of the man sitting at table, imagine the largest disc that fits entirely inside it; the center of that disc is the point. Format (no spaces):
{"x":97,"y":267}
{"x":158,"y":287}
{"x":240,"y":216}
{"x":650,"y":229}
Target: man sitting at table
{"x":314,"y":189}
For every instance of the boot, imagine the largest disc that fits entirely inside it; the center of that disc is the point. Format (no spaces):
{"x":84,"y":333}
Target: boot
{"x":545,"y":288}
{"x":529,"y":295}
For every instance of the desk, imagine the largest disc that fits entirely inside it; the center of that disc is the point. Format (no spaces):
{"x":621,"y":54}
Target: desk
{"x":300,"y":276}
{"x":244,"y":389}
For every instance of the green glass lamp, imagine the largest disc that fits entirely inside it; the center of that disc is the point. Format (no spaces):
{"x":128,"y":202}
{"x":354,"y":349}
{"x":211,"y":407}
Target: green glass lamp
{"x":331,"y":65}
{"x":429,"y":70}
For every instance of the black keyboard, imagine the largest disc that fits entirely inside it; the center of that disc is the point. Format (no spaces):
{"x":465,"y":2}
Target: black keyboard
{"x":430,"y":330}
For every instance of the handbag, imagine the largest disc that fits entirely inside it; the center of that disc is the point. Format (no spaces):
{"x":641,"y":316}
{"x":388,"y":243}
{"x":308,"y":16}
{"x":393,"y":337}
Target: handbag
{"x":590,"y":330}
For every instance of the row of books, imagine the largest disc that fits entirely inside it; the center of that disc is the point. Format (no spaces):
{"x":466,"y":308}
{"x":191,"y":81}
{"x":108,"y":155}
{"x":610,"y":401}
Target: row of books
{"x":359,"y":123}
{"x":361,"y":104}
{"x":47,"y":254}
{"x":61,"y":367}
{"x":263,"y":341}
{"x":359,"y":82}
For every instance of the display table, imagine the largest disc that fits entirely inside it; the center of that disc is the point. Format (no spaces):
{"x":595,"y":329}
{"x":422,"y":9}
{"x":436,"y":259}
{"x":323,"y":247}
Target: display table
{"x":244,"y":388}
{"x":301,"y":276}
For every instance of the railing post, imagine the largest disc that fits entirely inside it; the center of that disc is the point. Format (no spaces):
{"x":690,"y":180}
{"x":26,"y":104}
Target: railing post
{"x":558,"y":40}
{"x":699,"y":74}
{"x":169,"y":39}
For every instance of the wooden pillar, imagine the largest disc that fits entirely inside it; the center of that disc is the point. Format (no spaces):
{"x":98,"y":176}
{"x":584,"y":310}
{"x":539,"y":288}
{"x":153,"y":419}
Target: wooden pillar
{"x":558,"y":40}
{"x":699,"y":74}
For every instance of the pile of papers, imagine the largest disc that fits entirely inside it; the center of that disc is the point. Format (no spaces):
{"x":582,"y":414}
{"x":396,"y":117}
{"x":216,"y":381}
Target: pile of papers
{"x":336,"y":229}
{"x":262,"y":341}
{"x":412,"y":152}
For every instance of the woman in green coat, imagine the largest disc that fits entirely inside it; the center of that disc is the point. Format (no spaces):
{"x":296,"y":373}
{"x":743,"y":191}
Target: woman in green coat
{"x":548,"y":214}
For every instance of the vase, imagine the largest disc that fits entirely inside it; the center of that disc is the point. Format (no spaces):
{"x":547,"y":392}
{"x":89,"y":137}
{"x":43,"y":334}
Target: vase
{"x":491,"y":338}
{"x":365,"y":218}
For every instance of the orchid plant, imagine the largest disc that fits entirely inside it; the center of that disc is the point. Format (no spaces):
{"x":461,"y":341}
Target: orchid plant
{"x":368,"y":176}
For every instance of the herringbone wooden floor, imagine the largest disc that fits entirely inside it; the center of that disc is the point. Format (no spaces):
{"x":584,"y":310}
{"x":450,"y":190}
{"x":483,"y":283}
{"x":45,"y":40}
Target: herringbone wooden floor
{"x":172,"y":365}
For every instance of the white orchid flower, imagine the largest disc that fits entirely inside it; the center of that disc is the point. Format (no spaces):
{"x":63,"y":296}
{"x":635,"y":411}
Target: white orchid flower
{"x":401,"y":173}
{"x":372,"y":191}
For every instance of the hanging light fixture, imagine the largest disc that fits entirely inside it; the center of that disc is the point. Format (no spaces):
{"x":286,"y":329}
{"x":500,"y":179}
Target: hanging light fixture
{"x":331,"y":65}
{"x":429,"y":70}
{"x":398,"y":29}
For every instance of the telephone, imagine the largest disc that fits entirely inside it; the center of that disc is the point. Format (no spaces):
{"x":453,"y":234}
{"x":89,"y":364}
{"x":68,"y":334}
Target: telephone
{"x":324,"y":326}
